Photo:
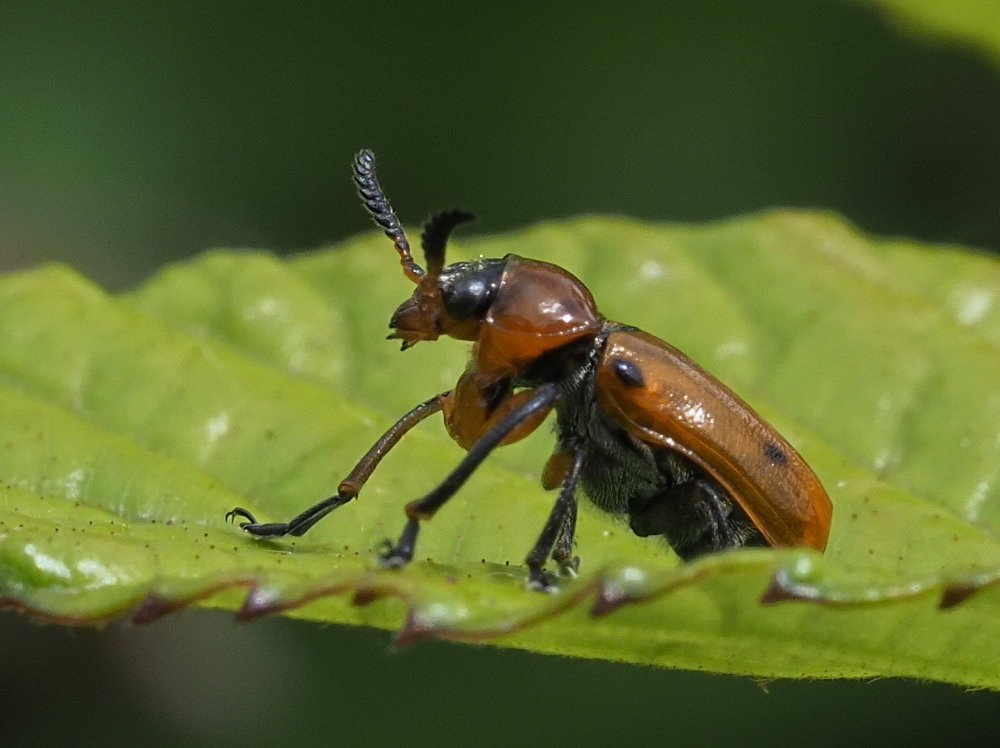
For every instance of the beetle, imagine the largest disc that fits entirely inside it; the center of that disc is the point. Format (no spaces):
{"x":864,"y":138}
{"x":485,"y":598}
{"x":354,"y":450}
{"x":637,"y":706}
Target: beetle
{"x":646,"y":432}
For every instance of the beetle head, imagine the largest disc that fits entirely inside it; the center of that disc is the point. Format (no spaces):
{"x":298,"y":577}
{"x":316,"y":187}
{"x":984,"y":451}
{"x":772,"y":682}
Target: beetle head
{"x":452,"y":302}
{"x":447,"y":300}
{"x":516,"y":309}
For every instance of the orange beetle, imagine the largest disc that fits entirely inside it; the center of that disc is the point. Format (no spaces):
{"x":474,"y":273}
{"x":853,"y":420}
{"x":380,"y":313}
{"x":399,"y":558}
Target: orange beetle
{"x":644,"y":430}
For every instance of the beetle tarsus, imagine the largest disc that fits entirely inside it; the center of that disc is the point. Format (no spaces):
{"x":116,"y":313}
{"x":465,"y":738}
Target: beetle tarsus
{"x":265,"y":529}
{"x":238,"y":511}
{"x":296,"y":526}
{"x":569,"y":568}
{"x":400,"y":554}
{"x":540,"y":580}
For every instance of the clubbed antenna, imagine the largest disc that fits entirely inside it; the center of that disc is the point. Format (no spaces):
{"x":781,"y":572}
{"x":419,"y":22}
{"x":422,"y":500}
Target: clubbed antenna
{"x":378,"y":205}
{"x":436,"y":232}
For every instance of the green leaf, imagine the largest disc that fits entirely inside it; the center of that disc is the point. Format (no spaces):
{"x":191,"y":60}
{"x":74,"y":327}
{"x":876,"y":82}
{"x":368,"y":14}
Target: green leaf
{"x":131,"y":424}
{"x":974,"y":23}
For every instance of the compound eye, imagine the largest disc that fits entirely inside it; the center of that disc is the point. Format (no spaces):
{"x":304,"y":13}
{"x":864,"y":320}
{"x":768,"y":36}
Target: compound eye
{"x":466,"y":296}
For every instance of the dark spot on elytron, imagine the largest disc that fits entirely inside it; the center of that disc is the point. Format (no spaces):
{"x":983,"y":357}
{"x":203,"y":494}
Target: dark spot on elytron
{"x":775,"y":453}
{"x":627,"y":372}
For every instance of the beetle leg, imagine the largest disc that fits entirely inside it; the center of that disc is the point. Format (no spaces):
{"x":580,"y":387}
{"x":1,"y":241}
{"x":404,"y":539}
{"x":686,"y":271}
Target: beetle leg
{"x":562,"y":554}
{"x":350,"y":486}
{"x":471,"y":409}
{"x":558,"y":531}
{"x":424,"y":508}
{"x":556,"y":467}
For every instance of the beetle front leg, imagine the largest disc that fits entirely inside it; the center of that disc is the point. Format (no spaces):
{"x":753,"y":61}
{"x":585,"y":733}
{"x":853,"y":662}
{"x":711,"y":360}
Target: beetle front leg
{"x":401,"y":553}
{"x":350,"y":486}
{"x":557,"y":535}
{"x":295,"y":526}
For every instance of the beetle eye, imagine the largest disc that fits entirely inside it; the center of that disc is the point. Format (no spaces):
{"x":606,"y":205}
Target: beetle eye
{"x":466,"y":296}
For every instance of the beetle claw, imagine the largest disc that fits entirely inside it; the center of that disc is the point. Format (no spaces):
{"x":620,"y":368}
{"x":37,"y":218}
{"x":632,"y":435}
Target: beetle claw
{"x":540,"y":580}
{"x":391,"y":556}
{"x":392,"y":560}
{"x":569,"y":567}
{"x":238,"y":511}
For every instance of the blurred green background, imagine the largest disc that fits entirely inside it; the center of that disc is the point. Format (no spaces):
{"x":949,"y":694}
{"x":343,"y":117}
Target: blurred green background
{"x":131,"y":135}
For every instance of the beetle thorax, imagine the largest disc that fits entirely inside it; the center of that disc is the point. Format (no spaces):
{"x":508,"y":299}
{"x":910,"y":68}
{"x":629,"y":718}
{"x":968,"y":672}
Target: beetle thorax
{"x":538,"y":308}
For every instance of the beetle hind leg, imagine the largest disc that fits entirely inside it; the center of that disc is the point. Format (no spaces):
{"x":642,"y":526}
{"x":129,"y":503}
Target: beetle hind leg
{"x":696,"y":517}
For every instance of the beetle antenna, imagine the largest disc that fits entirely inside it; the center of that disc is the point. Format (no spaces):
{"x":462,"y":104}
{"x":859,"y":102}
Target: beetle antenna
{"x":435,"y":236}
{"x":377,"y":204}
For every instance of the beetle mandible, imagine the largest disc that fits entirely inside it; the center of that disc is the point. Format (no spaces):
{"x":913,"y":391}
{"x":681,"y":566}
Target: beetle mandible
{"x":645,"y":431}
